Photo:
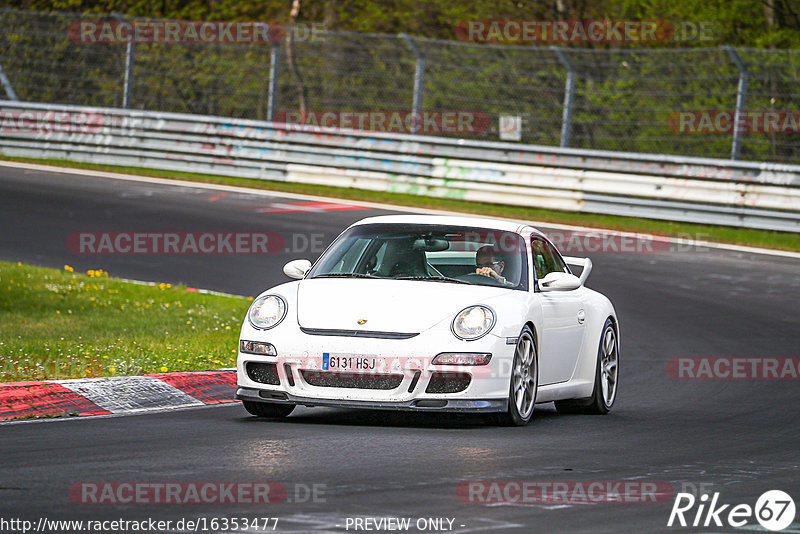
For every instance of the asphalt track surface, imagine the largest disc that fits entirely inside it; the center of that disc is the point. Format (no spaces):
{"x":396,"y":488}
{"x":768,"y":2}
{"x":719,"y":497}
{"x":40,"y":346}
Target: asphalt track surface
{"x":736,"y":437}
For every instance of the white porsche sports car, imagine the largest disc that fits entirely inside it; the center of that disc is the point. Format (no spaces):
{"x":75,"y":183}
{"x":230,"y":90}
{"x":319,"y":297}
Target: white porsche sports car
{"x":432,"y":313}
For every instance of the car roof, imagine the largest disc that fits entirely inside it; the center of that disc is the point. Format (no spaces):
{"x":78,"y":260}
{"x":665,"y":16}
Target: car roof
{"x":454,"y":220}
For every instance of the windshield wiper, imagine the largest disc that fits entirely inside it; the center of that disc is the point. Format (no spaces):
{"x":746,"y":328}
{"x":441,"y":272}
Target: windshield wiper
{"x":345,"y":275}
{"x":435,"y":278}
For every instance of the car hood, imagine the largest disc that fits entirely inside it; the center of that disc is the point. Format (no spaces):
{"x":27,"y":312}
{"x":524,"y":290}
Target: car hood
{"x":386,"y":305}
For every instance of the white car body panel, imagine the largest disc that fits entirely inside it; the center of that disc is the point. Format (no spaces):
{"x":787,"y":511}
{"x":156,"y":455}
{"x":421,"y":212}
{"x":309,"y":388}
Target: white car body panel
{"x":567,"y":349}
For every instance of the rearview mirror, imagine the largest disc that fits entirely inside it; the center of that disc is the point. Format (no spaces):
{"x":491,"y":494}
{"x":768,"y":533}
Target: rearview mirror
{"x":557,"y":281}
{"x":297,"y":269}
{"x":431,"y":244}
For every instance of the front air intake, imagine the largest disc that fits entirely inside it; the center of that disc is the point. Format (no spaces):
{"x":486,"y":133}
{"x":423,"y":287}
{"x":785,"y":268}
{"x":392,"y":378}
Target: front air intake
{"x":351,"y":380}
{"x":444,"y":382}
{"x":263,"y":373}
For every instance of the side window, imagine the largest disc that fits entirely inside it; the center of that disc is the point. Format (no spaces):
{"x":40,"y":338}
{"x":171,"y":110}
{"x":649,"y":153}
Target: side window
{"x":558,"y":261}
{"x":545,"y":258}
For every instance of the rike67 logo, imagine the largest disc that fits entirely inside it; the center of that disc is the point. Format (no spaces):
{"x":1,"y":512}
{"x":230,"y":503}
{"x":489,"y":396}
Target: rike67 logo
{"x":774,"y":510}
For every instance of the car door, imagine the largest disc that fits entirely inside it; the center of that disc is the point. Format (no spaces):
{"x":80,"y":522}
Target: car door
{"x":562,"y":317}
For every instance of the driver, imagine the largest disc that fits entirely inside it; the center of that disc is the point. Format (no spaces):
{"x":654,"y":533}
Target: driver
{"x":487,"y":265}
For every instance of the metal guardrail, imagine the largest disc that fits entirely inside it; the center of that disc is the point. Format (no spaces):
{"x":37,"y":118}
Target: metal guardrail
{"x":745,"y":194}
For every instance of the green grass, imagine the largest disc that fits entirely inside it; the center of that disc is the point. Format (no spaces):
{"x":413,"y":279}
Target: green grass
{"x":61,"y":324}
{"x":723,"y":234}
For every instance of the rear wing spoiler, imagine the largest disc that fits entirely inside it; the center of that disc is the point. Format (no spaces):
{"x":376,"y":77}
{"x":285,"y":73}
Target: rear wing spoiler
{"x":586,"y":263}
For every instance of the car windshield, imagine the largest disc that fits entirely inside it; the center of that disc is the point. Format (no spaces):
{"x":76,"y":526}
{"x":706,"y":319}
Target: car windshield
{"x":437,"y":253}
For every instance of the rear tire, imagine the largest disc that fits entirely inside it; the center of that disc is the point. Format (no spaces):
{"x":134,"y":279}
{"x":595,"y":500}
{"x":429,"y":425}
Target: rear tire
{"x":606,"y":377}
{"x":268,"y":409}
{"x":523,"y":384}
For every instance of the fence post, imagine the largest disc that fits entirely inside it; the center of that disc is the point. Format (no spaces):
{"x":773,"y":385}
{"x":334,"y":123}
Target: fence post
{"x":274,"y":64}
{"x":419,"y":80}
{"x":7,"y":85}
{"x":741,"y":96}
{"x":130,"y":51}
{"x":569,"y":95}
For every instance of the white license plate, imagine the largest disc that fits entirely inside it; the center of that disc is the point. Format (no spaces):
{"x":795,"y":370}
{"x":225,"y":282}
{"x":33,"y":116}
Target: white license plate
{"x":357,"y":363}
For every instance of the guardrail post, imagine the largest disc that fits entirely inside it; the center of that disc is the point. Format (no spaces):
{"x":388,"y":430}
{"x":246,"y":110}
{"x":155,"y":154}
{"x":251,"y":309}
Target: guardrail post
{"x":274,"y":63}
{"x":569,"y":96}
{"x":419,"y":80}
{"x":7,"y":85}
{"x":741,"y":96}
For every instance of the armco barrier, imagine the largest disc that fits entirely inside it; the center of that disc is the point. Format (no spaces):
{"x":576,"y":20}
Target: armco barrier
{"x":754,"y":195}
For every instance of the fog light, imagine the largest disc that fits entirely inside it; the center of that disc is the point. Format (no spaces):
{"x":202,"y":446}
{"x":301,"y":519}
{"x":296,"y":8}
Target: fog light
{"x":257,"y":347}
{"x":462,"y":358}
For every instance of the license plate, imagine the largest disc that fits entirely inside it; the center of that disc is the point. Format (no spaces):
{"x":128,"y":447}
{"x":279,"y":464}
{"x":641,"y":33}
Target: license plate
{"x":350,"y":362}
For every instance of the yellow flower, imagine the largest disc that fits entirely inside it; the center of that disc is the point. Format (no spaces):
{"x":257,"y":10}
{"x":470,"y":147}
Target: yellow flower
{"x":69,"y":269}
{"x":188,"y":322}
{"x":227,"y":328}
{"x":164,"y":369}
{"x":106,"y":356}
{"x":58,"y":311}
{"x":111,"y":368}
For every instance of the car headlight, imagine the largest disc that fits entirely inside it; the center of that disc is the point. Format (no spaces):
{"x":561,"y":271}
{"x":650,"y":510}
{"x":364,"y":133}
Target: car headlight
{"x":462,"y":358}
{"x":267,"y":311}
{"x":257,"y":347}
{"x":473,"y":322}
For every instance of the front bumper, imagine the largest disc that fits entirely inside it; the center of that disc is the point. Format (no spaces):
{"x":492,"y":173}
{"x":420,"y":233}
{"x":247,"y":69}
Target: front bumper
{"x":420,"y":385}
{"x":426,"y":404}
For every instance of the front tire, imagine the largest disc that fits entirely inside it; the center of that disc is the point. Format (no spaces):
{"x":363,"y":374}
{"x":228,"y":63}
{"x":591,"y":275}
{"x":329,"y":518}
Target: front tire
{"x":268,"y":409}
{"x":523,"y":384}
{"x":606,"y":377}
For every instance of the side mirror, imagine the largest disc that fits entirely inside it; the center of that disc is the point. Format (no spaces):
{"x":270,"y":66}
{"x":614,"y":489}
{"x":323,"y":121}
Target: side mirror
{"x":585,"y":263}
{"x":559,"y":282}
{"x":297,"y":269}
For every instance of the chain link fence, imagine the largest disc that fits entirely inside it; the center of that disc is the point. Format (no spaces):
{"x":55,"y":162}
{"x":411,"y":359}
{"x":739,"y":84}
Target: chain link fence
{"x":671,"y":101}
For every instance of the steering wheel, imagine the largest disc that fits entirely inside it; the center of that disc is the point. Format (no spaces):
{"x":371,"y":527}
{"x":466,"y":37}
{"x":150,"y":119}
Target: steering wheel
{"x":480,"y":279}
